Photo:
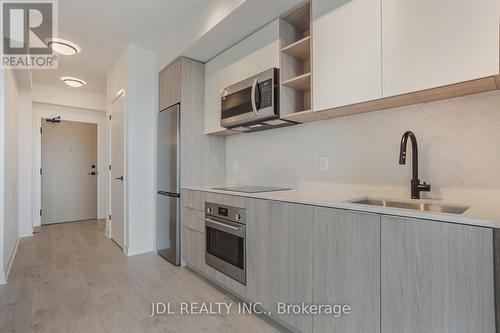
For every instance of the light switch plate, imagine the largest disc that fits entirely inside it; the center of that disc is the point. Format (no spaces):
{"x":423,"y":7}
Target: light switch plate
{"x":323,"y":164}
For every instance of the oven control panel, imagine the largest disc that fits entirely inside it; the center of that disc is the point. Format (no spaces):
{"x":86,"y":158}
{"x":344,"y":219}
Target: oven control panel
{"x":234,"y":214}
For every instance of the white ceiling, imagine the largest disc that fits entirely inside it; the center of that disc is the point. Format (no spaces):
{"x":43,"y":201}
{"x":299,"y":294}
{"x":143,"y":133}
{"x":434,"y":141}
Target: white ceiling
{"x":240,"y":23}
{"x":103,"y":28}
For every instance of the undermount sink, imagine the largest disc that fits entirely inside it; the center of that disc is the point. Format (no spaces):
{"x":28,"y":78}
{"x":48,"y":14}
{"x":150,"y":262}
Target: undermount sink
{"x":423,"y":206}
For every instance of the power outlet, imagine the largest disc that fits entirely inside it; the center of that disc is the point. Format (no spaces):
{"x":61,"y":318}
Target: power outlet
{"x":323,"y":164}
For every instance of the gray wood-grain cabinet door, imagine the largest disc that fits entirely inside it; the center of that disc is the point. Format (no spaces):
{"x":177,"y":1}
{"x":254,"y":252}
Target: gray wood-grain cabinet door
{"x":347,"y":269}
{"x":170,"y":85}
{"x":280,"y":257}
{"x":436,"y":277}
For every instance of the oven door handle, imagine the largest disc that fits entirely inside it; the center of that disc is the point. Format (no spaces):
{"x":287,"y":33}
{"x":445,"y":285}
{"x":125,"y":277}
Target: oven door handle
{"x":254,"y":103}
{"x":225,"y":227}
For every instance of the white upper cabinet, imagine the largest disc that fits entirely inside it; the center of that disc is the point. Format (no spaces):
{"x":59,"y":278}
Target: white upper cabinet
{"x":432,"y":43}
{"x":346,"y":41}
{"x":254,"y":54}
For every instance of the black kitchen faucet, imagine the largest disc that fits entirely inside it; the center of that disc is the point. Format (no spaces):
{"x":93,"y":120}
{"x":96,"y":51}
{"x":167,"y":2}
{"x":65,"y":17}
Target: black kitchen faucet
{"x":416,"y":186}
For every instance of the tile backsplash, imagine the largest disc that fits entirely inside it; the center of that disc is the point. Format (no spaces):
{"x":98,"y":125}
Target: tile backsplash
{"x":459,"y":149}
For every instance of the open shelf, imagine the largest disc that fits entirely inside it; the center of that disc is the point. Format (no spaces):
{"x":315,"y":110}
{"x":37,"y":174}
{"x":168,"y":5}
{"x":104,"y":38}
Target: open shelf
{"x":294,"y":100}
{"x":295,"y":64}
{"x":300,"y":18}
{"x":301,"y":49}
{"x":301,"y":82}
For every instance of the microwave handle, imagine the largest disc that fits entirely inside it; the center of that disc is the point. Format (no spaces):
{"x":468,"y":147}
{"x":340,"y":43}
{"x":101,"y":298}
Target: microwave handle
{"x":254,"y":103}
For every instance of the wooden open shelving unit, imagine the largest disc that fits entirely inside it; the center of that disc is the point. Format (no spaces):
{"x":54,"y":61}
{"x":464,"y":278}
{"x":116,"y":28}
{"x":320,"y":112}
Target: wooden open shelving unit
{"x":299,"y":83}
{"x":295,"y":62}
{"x":300,"y":50}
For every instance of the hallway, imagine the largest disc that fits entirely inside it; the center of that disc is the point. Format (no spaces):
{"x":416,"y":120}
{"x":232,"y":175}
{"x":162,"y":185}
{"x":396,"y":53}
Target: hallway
{"x":71,"y":278}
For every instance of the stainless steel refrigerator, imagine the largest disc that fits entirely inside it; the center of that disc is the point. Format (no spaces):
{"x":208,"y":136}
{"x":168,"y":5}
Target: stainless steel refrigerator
{"x":168,"y":180}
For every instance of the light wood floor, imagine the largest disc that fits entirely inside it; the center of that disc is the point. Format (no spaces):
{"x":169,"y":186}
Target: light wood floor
{"x":71,"y":278}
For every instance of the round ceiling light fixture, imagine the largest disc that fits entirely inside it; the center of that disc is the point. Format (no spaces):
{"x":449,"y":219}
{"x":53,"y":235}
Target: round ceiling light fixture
{"x":63,"y":46}
{"x":73,"y":81}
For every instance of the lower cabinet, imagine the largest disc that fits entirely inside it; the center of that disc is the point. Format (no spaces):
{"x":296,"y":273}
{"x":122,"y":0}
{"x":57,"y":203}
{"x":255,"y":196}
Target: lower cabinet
{"x":280,"y":257}
{"x":397,"y":275}
{"x":193,"y":249}
{"x":347,"y":269}
{"x":436,"y":277}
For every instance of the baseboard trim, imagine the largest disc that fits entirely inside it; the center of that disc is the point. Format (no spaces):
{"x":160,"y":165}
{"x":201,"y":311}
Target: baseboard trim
{"x":5,"y":277}
{"x":26,"y":234}
{"x":138,"y":249}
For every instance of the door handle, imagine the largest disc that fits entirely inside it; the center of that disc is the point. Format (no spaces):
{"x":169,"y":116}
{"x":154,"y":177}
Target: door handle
{"x":119,"y":178}
{"x":92,"y":173}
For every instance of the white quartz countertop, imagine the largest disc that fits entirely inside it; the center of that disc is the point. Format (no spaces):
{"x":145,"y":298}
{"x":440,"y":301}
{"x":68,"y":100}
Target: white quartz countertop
{"x":484,"y":206}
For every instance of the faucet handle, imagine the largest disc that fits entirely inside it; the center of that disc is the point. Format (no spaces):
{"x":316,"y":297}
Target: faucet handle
{"x":425,"y":187}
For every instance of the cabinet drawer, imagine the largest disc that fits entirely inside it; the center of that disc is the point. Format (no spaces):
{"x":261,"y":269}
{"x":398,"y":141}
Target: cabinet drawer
{"x":193,"y":199}
{"x":186,"y":244}
{"x":193,"y":249}
{"x":193,"y":219}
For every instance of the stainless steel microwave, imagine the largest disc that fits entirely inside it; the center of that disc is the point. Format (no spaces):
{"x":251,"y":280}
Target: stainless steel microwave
{"x":252,"y":104}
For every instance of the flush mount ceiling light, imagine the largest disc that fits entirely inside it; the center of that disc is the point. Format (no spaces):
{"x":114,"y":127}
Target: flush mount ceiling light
{"x":64,"y":47}
{"x":73,"y":81}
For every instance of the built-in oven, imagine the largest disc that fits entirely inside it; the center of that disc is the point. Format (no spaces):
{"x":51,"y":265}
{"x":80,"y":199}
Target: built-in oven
{"x":226,"y":240}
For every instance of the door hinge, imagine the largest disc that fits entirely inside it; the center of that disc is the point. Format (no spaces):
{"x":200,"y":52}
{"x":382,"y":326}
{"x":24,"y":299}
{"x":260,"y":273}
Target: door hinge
{"x":41,"y":171}
{"x":40,"y":130}
{"x":109,"y":167}
{"x":110,"y":217}
{"x":110,"y":117}
{"x":40,"y":212}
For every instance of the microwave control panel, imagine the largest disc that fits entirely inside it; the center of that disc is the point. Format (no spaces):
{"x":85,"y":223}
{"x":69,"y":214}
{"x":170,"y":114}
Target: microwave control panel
{"x":266,"y":94}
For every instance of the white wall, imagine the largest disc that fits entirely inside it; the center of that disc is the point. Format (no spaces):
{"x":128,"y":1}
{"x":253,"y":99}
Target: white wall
{"x":56,"y":100}
{"x":41,"y":110}
{"x":25,"y":142}
{"x":140,"y":120}
{"x":117,"y":81}
{"x":2,"y":173}
{"x":458,"y":150}
{"x":9,"y":225}
{"x":134,"y":72}
{"x":68,"y":97}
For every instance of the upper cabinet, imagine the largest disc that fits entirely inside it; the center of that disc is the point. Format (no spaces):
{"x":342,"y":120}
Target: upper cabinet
{"x":170,"y":85}
{"x":364,"y":51}
{"x":255,"y":54}
{"x":429,"y":43}
{"x":347,"y":52}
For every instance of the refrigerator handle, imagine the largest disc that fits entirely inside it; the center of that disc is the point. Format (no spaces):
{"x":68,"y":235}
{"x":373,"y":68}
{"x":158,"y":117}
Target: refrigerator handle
{"x":169,"y":194}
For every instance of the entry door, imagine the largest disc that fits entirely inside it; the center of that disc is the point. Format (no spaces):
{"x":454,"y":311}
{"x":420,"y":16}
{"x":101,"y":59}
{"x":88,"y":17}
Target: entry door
{"x":69,"y":171}
{"x":117,"y":171}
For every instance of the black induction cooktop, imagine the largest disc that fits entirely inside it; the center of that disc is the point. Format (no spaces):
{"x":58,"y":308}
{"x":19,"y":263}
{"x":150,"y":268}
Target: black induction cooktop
{"x":250,"y":189}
